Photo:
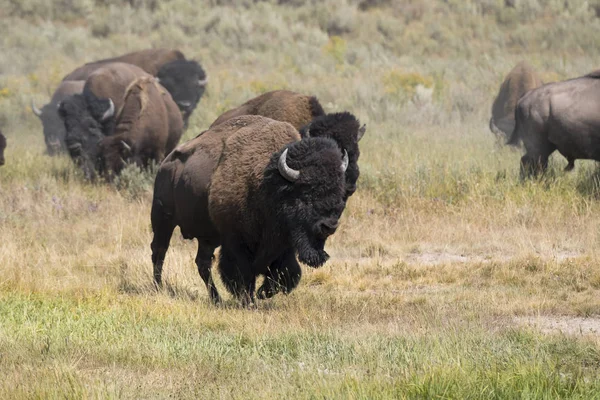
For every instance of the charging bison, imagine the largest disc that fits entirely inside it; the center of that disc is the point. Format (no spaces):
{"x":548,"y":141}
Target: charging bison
{"x":2,"y":147}
{"x":280,"y":105}
{"x":123,"y":115}
{"x":561,"y":116}
{"x":252,"y":186}
{"x":53,"y":126}
{"x":519,"y":81}
{"x":184,"y":79}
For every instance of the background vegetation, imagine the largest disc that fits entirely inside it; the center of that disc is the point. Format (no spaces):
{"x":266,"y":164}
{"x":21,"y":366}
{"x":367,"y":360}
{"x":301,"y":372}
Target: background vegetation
{"x":449,"y":278}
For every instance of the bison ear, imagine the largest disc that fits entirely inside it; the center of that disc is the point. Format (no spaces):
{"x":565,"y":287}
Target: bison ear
{"x":361,"y":132}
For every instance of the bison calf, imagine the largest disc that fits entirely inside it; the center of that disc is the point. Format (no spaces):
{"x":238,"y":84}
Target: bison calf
{"x":251,"y":186}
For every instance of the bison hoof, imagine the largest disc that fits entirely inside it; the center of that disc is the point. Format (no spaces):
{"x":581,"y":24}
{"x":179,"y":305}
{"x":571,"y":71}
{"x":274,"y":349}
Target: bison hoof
{"x":265,"y":292}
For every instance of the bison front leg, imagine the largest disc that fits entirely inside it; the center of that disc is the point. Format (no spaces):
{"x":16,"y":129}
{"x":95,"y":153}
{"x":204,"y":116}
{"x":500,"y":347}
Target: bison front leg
{"x":283,"y":275}
{"x":533,"y":165}
{"x":204,"y":264}
{"x":237,"y":274}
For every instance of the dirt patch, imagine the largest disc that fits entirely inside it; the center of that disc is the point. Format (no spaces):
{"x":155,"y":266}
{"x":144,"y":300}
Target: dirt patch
{"x":577,"y":326}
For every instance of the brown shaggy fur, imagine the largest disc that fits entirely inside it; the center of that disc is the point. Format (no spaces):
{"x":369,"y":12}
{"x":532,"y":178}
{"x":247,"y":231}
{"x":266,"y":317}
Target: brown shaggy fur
{"x":263,"y":136}
{"x":280,"y":105}
{"x":150,"y":60}
{"x":519,"y":81}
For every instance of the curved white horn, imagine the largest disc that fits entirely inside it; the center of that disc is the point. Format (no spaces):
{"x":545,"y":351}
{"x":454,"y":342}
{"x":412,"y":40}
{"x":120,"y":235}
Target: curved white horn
{"x":127,"y":147}
{"x":345,"y":161}
{"x":361,"y":132}
{"x":203,"y":82}
{"x":288,"y":173}
{"x":307,"y":133}
{"x":35,"y":110}
{"x":111,"y":110}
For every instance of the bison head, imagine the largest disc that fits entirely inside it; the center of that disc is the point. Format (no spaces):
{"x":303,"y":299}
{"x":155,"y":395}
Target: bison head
{"x":53,"y":126}
{"x":84,"y":118}
{"x":345,"y":129}
{"x":306,"y":184}
{"x":2,"y":147}
{"x":185,"y":80}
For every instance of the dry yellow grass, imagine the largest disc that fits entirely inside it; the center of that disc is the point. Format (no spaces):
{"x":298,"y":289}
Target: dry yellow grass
{"x":444,"y":260}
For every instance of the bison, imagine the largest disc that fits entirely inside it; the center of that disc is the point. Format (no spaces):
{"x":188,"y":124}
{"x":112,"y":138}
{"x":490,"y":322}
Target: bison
{"x":519,"y":81}
{"x":306,"y":114}
{"x":252,"y":186}
{"x":184,"y":79}
{"x":53,"y":126}
{"x":281,"y":105}
{"x":2,"y":148}
{"x":122,"y":115}
{"x":561,"y":116}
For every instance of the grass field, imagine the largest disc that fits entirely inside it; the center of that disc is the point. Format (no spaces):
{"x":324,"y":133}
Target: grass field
{"x":449,"y":277}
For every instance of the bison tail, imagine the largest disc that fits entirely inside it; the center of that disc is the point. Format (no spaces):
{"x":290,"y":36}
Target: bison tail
{"x":515,"y":137}
{"x":493,"y":128}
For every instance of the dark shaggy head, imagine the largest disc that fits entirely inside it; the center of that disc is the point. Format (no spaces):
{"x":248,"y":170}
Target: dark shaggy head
{"x":84,"y":132}
{"x":308,"y":205}
{"x":345,"y":129}
{"x":2,"y":147}
{"x":185,"y":80}
{"x":54,"y":128}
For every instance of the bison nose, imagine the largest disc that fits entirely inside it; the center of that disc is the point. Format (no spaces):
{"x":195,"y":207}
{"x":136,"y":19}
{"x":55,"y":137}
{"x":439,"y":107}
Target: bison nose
{"x":328,"y":227}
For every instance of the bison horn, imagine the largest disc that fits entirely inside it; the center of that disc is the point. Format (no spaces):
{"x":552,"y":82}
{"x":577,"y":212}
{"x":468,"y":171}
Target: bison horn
{"x":110,"y":112}
{"x":307,"y":133}
{"x":127,"y":147}
{"x":35,"y":110}
{"x":361,"y":132}
{"x":288,"y":173}
{"x":203,"y":82}
{"x":345,"y":161}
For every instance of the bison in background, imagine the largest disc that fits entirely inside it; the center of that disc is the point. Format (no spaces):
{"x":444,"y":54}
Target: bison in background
{"x":280,"y":105}
{"x":184,"y":79}
{"x":123,"y":115}
{"x":251,"y":185}
{"x":53,"y":126}
{"x":563,"y":116}
{"x":2,"y":148}
{"x":519,"y":81}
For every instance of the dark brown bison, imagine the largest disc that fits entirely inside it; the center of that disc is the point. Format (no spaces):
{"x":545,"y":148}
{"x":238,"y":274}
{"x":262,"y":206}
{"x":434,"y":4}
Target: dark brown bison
{"x":519,"y":81}
{"x":253,"y":187}
{"x":122,"y":115}
{"x":2,"y":148}
{"x":563,"y":116}
{"x":53,"y":126}
{"x":184,"y":79}
{"x":280,"y":105}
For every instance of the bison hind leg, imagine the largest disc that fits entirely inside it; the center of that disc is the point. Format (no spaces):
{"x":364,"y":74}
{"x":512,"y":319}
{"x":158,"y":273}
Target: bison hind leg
{"x":283,"y":275}
{"x":204,"y":263}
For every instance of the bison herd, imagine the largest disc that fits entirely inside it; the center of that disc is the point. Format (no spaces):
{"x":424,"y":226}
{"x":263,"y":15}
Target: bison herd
{"x":559,"y":116}
{"x":269,"y":180}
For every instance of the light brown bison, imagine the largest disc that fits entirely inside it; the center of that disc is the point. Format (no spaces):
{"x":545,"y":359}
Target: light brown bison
{"x":252,"y":186}
{"x":519,"y":81}
{"x":280,"y":105}
{"x":53,"y":126}
{"x":2,"y":148}
{"x":122,"y":115}
{"x":184,"y":79}
{"x":563,"y":116}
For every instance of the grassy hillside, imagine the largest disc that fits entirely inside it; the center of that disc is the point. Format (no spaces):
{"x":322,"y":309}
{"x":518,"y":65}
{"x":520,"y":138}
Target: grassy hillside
{"x":449,"y":277}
